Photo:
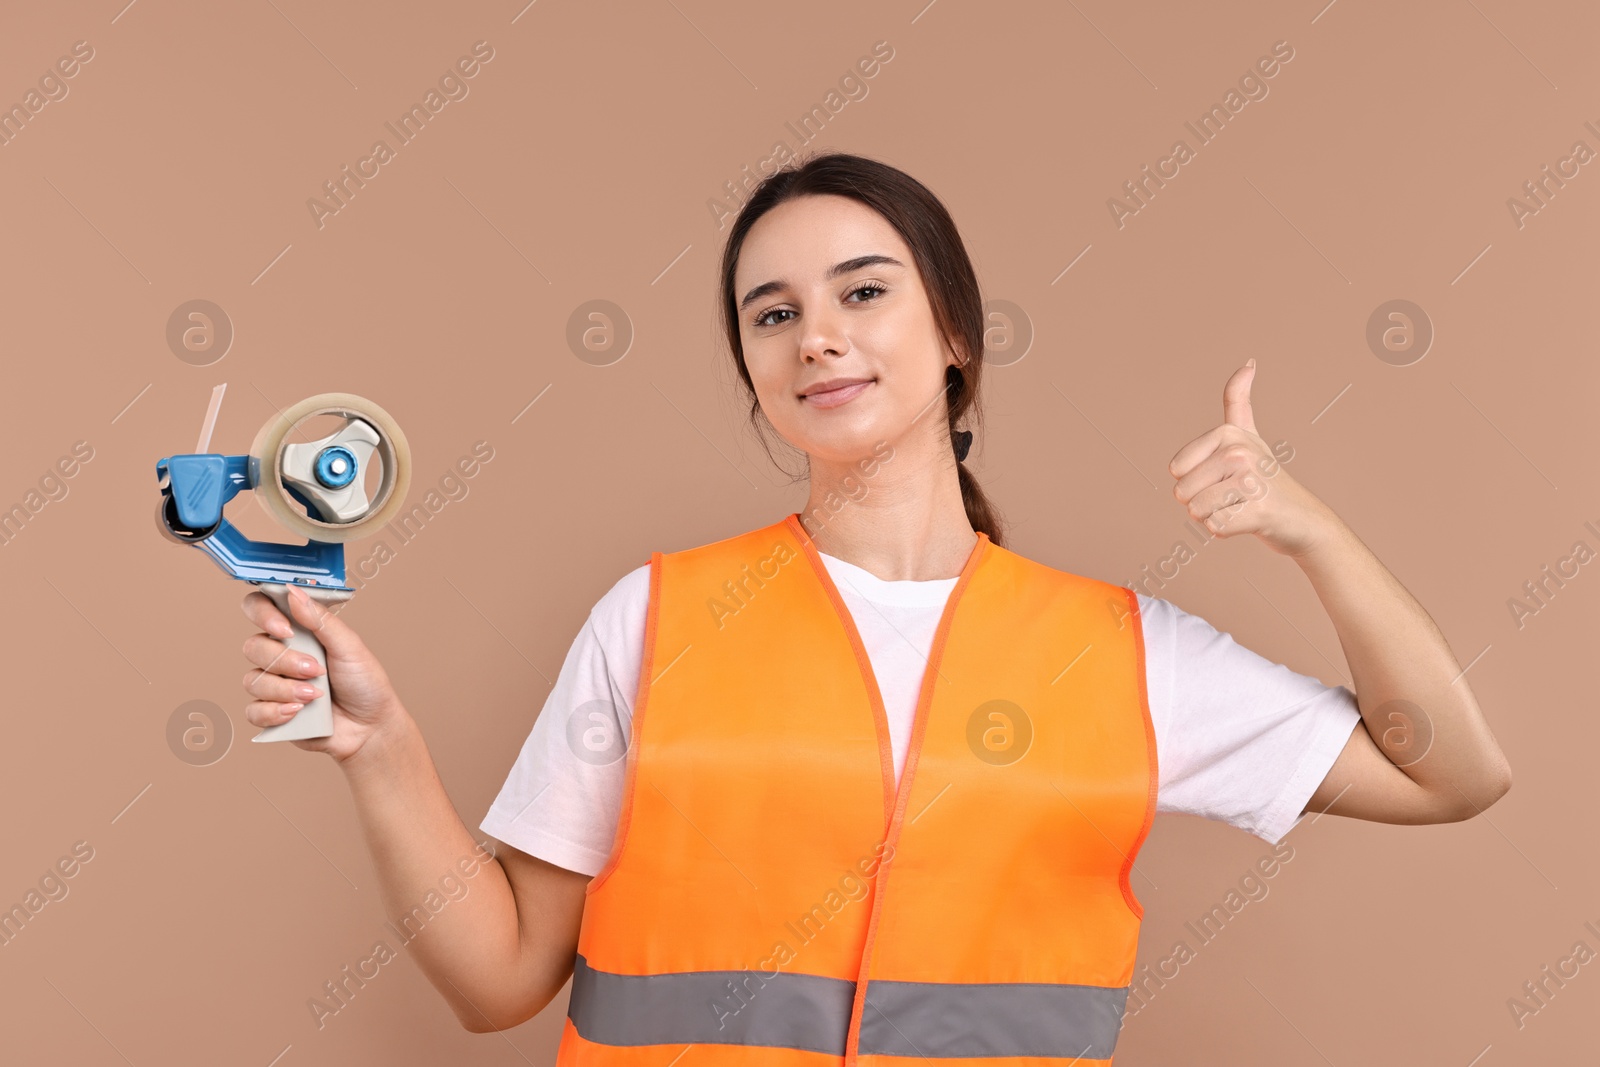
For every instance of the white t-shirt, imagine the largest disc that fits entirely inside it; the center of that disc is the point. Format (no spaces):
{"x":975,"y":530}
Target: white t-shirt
{"x":1239,"y":738}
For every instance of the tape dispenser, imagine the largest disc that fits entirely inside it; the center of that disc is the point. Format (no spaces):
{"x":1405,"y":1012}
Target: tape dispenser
{"x":327,"y":490}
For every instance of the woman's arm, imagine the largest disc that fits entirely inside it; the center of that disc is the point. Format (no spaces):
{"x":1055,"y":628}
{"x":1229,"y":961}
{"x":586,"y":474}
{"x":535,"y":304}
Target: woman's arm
{"x":500,"y":951}
{"x":495,"y":933}
{"x":1426,"y":754}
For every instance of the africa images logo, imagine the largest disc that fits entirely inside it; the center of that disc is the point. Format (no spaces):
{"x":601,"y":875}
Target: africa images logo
{"x":453,"y":87}
{"x":1252,"y":83}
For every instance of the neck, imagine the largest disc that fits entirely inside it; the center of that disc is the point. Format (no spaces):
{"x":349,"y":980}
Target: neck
{"x":894,"y":513}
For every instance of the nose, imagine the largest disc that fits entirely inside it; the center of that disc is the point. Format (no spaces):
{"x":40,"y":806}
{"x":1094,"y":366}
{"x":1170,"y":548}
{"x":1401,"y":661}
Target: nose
{"x":822,"y":334}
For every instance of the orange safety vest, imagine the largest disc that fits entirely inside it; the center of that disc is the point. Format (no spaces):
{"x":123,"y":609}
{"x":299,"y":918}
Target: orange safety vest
{"x":772,"y":898}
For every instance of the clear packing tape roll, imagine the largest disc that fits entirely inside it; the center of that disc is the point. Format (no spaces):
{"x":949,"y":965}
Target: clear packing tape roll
{"x":268,"y":468}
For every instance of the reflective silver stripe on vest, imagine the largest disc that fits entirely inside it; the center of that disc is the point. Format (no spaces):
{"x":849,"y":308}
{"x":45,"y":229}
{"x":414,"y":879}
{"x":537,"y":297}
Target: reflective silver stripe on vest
{"x":804,"y":1011}
{"x":1011,"y":1019}
{"x":807,"y":1011}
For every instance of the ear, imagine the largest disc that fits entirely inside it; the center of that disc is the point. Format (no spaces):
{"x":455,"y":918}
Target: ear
{"x":958,"y":352}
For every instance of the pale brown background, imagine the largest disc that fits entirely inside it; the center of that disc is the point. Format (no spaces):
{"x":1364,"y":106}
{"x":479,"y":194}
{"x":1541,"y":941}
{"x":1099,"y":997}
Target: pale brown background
{"x":579,"y":168}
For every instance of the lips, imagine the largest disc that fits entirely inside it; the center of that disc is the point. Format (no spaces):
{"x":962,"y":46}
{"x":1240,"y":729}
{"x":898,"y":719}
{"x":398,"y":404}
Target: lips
{"x":832,"y":393}
{"x":832,"y":384}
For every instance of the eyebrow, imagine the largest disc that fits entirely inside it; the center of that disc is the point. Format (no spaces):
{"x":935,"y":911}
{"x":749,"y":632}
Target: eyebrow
{"x":837,"y":269}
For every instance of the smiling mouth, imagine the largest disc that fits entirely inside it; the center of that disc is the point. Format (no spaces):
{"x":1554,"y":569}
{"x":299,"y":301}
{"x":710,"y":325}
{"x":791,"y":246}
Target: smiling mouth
{"x":832,"y":398}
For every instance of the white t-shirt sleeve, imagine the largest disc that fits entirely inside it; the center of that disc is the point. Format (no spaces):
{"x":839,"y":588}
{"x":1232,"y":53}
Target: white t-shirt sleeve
{"x":1239,"y":738}
{"x":563,"y":795}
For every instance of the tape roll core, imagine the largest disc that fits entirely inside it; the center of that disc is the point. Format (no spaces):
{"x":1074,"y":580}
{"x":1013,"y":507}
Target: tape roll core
{"x":266,"y":458}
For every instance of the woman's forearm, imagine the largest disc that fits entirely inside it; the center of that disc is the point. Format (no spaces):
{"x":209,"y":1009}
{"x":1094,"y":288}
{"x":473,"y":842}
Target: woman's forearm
{"x":1412,"y":692}
{"x":444,"y":892}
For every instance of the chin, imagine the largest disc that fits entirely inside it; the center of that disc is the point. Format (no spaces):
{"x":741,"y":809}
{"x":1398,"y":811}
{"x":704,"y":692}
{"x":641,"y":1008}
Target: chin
{"x":852,"y":447}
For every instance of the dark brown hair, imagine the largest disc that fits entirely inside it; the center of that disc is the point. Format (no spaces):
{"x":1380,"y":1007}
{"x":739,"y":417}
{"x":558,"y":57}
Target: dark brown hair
{"x":941,"y":259}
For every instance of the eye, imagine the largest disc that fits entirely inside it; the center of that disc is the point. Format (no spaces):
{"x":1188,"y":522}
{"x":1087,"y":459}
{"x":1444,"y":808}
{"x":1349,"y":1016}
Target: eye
{"x":762,"y":320}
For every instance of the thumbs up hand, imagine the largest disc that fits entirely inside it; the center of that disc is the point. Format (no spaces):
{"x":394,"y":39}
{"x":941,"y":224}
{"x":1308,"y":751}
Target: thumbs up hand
{"x":1231,"y":481}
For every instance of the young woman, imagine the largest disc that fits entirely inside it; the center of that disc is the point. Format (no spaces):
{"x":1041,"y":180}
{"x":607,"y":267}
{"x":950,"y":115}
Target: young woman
{"x":862,"y":780}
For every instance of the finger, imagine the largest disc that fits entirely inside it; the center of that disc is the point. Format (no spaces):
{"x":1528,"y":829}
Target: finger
{"x":264,"y":685}
{"x":334,"y":634}
{"x":269,"y":712}
{"x":1226,"y":460}
{"x":259,"y":609}
{"x":1221,"y":504}
{"x":1236,"y":398}
{"x":1226,"y":522}
{"x":1191,"y":454}
{"x":272,"y":655}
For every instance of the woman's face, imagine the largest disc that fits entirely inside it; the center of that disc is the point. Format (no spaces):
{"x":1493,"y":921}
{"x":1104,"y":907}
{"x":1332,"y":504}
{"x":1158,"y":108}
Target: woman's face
{"x":804,"y":326}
